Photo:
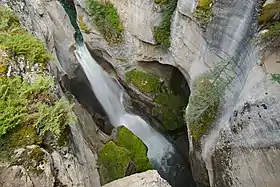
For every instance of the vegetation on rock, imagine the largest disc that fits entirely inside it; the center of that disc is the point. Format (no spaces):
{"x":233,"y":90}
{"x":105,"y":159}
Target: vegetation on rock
{"x":105,"y":16}
{"x":33,"y":104}
{"x":169,"y":106}
{"x":146,"y":82}
{"x":19,"y":43}
{"x":203,"y":107}
{"x":203,"y":12}
{"x":275,"y":78}
{"x":268,"y":12}
{"x":271,"y":38}
{"x":28,"y":108}
{"x":112,"y":162}
{"x":32,"y":160}
{"x":170,"y":109}
{"x":138,"y":150}
{"x":163,"y":31}
{"x":204,"y":103}
{"x":83,"y":26}
{"x":116,"y":155}
{"x":269,"y":19}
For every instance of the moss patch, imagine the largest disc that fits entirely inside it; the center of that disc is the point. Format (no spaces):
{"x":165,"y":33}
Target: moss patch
{"x":138,"y":151}
{"x":146,"y":82}
{"x":163,"y":31}
{"x":203,"y":12}
{"x":268,"y":12}
{"x":170,"y":110}
{"x":8,"y":20}
{"x":275,"y":78}
{"x":83,"y":26}
{"x":112,"y":162}
{"x":170,"y":106}
{"x":32,"y":160}
{"x":19,"y":137}
{"x":105,"y":16}
{"x":116,"y":155}
{"x":162,"y":2}
{"x":203,"y":107}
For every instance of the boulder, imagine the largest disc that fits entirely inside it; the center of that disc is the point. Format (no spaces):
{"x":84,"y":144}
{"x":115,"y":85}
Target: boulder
{"x":149,"y":178}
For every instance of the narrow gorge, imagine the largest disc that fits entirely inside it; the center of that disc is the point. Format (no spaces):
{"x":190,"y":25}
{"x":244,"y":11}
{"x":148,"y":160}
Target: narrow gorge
{"x":117,"y":93}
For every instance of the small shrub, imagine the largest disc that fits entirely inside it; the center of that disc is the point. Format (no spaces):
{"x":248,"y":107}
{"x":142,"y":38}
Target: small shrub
{"x":106,"y":18}
{"x":275,"y":78}
{"x":146,"y":82}
{"x":203,"y":107}
{"x":162,"y":32}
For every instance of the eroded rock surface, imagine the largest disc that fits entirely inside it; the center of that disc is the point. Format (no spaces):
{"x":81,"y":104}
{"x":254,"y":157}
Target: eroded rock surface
{"x":149,"y":178}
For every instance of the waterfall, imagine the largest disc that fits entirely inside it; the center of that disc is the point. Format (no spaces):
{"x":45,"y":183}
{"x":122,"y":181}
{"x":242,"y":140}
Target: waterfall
{"x":110,"y":94}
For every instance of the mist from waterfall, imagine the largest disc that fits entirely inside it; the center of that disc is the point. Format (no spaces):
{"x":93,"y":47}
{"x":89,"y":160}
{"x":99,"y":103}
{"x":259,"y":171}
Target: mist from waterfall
{"x":110,"y":94}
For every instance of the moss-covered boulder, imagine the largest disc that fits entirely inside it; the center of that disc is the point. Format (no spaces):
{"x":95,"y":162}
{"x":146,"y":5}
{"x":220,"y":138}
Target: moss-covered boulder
{"x":116,"y":156}
{"x":138,"y":150}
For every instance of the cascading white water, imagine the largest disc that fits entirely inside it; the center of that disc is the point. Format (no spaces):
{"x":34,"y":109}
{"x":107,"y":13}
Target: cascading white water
{"x":109,"y":93}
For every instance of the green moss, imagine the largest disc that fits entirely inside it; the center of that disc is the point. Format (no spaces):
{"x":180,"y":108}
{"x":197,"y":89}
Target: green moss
{"x":271,"y":38}
{"x":112,"y":162}
{"x":83,"y":26}
{"x":17,"y":41}
{"x":137,"y":149}
{"x":105,"y":16}
{"x":170,"y":105}
{"x":24,"y":136}
{"x":145,"y":82}
{"x":23,"y":103}
{"x":203,"y":12}
{"x":31,"y":160}
{"x":204,"y":4}
{"x":275,"y":78}
{"x":8,"y":20}
{"x":203,"y":107}
{"x":162,"y":2}
{"x":3,"y":69}
{"x":116,"y":155}
{"x":170,"y":110}
{"x":204,"y":16}
{"x":268,"y":12}
{"x":162,"y":32}
{"x":19,"y":137}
